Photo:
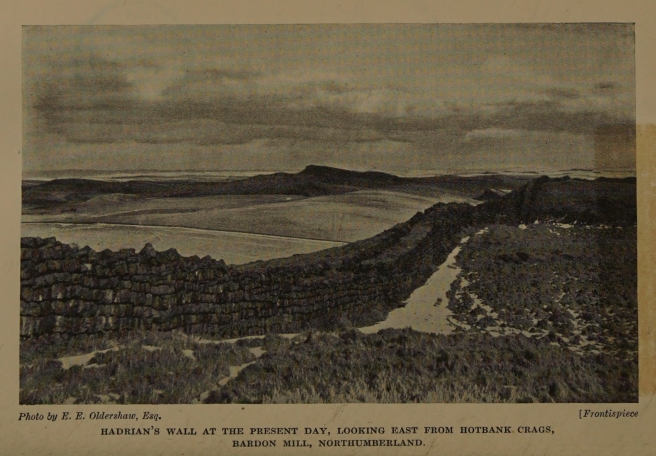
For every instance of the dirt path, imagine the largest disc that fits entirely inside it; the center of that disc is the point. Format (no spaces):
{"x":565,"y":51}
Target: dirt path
{"x":425,"y":310}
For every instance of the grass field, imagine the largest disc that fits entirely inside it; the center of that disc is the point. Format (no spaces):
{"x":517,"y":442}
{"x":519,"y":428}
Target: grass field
{"x":236,"y":228}
{"x":137,"y":368}
{"x":346,"y":217}
{"x":109,"y":204}
{"x":392,"y":366}
{"x":233,"y":248}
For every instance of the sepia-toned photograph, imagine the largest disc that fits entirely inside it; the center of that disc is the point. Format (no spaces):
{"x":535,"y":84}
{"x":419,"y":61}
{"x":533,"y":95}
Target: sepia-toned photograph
{"x":329,"y":213}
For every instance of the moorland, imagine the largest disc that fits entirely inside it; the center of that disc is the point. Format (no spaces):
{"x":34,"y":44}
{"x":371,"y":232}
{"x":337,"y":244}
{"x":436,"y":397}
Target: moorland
{"x":543,"y":307}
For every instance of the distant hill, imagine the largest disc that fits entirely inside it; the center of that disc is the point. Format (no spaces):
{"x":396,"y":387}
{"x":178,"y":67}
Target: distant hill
{"x":339,"y":176}
{"x":312,"y":181}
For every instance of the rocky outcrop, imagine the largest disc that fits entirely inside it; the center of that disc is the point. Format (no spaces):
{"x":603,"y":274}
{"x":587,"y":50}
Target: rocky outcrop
{"x":492,"y":194}
{"x":610,"y":201}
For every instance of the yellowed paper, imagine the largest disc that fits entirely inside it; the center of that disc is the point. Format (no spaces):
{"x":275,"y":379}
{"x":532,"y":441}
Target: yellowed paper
{"x":314,"y":74}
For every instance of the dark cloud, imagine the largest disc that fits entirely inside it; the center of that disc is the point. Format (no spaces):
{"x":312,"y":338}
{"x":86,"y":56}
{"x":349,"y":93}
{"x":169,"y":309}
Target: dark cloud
{"x":570,"y":94}
{"x":606,"y":88}
{"x":267,"y":117}
{"x":74,"y":80}
{"x":548,"y":116}
{"x":606,"y":85}
{"x":222,"y":74}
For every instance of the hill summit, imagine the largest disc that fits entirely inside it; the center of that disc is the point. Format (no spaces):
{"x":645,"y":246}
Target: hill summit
{"x":340,"y":176}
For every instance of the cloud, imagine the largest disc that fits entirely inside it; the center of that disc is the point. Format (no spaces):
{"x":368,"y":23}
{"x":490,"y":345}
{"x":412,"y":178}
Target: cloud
{"x":575,"y":116}
{"x":150,"y":82}
{"x":203,"y":132}
{"x":387,"y":102}
{"x":562,"y":93}
{"x":91,"y":99}
{"x":354,"y":95}
{"x":80,"y":81}
{"x":493,"y":133}
{"x":502,"y":66}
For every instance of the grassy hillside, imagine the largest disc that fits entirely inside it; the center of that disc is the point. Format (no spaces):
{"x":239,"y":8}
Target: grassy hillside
{"x":574,"y":285}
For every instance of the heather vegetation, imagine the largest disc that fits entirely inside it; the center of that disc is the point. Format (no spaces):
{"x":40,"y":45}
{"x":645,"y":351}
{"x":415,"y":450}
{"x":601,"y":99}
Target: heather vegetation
{"x":142,"y":367}
{"x":409,"y":366}
{"x":392,"y":366}
{"x":576,"y":285}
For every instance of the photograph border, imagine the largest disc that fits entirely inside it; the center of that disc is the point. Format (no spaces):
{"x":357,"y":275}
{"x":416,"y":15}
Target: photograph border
{"x":572,"y":434}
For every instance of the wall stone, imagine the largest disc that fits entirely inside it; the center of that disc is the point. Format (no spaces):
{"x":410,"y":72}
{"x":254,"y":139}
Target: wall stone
{"x":71,"y":290}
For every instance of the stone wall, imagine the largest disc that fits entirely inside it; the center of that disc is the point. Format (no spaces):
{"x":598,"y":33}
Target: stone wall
{"x":71,"y":290}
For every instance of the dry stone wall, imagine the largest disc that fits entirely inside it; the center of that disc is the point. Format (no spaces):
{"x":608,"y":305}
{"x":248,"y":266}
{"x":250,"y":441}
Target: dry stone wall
{"x":70,"y":290}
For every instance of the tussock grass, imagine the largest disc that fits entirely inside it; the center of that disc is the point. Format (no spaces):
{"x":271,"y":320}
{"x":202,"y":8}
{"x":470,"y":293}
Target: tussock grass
{"x":162,"y":373}
{"x":392,"y":366}
{"x":572,"y":283}
{"x":54,"y":346}
{"x":400,"y":366}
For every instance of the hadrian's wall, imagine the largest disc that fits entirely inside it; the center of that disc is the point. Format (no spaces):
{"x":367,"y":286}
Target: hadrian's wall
{"x":70,"y":290}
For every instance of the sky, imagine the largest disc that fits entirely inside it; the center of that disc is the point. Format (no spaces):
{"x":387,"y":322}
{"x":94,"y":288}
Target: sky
{"x":387,"y":97}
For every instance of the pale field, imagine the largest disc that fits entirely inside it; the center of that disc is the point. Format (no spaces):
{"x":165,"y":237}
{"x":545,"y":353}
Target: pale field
{"x":233,"y":248}
{"x":347,"y":218}
{"x":236,"y":228}
{"x":108,"y":205}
